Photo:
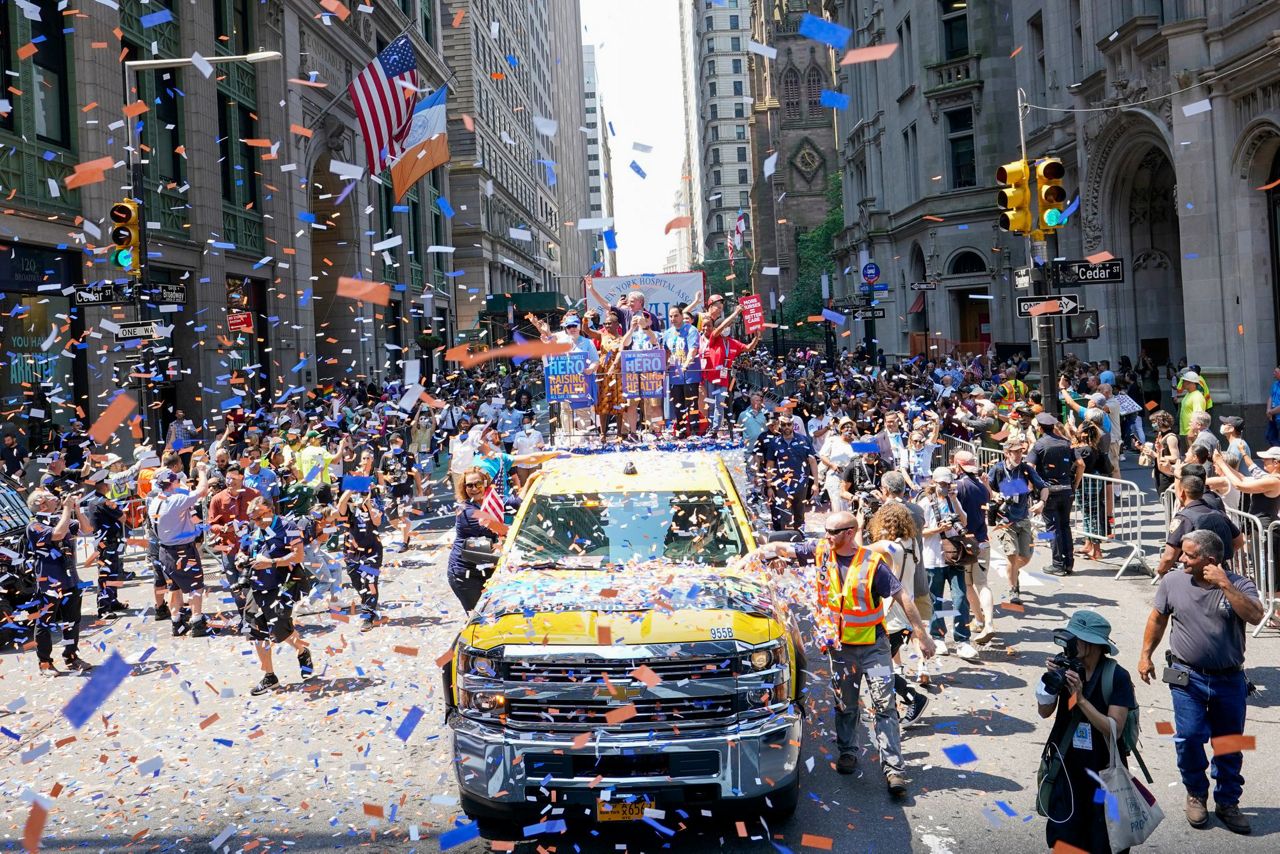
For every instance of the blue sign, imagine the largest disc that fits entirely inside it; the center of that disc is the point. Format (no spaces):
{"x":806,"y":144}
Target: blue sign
{"x":568,"y":380}
{"x":870,"y":272}
{"x":644,"y":373}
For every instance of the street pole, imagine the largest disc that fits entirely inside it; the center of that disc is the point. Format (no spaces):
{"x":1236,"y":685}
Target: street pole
{"x":1035,"y":244}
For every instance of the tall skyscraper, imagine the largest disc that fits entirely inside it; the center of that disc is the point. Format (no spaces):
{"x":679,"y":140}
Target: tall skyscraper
{"x":599,"y":160}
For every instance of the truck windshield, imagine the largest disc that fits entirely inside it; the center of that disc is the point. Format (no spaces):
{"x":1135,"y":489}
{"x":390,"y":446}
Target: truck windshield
{"x":595,"y":529}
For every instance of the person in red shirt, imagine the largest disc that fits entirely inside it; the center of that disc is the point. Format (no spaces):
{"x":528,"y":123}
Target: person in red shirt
{"x":719,"y":352}
{"x":228,"y":518}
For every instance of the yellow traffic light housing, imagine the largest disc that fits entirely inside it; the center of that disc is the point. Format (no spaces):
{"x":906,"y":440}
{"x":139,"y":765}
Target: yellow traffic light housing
{"x":1014,"y":198}
{"x":1053,"y":196}
{"x":126,"y":237}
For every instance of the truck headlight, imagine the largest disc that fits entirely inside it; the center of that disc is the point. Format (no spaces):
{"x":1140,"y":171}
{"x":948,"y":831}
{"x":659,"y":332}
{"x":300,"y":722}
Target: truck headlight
{"x":470,"y":664}
{"x":760,"y":659}
{"x":764,"y":657}
{"x":487,"y":702}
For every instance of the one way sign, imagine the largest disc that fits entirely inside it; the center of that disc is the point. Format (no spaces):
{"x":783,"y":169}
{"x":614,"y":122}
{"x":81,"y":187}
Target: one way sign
{"x":1061,"y":305}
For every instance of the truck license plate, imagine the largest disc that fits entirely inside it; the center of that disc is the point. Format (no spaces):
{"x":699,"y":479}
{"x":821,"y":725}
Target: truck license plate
{"x":621,"y":810}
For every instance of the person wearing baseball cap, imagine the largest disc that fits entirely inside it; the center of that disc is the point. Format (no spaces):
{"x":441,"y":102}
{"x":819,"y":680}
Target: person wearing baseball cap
{"x":1056,"y":463}
{"x":1233,"y":432}
{"x":1193,"y":400}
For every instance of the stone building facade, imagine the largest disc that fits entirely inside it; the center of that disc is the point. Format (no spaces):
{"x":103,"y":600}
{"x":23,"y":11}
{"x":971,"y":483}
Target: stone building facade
{"x":243,"y":208}
{"x":788,"y":120}
{"x":599,"y":160}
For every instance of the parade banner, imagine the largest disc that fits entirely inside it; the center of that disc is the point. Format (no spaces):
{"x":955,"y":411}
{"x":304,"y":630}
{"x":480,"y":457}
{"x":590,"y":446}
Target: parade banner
{"x":643,"y":372}
{"x":568,"y":380}
{"x":752,"y":313}
{"x":660,"y":291}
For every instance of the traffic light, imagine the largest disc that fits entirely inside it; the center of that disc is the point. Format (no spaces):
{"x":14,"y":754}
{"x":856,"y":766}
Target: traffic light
{"x":1053,"y":196}
{"x":1014,"y":198}
{"x":126,"y":235}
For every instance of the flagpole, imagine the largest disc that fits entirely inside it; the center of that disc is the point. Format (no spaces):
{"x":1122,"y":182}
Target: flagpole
{"x":328,"y":108}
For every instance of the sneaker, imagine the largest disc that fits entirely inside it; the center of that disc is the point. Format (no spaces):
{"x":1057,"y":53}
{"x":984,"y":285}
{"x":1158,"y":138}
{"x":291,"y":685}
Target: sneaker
{"x":1197,"y":812}
{"x":940,"y":647}
{"x":202,"y":629}
{"x":268,"y":682}
{"x":1060,"y":571}
{"x":179,"y":628}
{"x":897,"y":783}
{"x":847,"y":763}
{"x":76,"y":663}
{"x":366,"y":625}
{"x":985,"y":635}
{"x":1015,"y":596}
{"x":915,"y":709}
{"x":47,"y":669}
{"x":1231,"y":817}
{"x":305,"y":664}
{"x":162,"y":613}
{"x":967,"y":652}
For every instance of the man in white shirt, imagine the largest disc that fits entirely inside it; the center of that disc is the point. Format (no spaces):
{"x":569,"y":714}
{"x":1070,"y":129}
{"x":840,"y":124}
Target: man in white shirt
{"x":527,"y":441}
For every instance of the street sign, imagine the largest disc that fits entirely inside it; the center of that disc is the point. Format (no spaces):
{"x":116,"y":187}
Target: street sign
{"x":1022,"y":278}
{"x":176,"y":293}
{"x":924,"y":286}
{"x":1059,"y":306}
{"x":140,"y":329}
{"x":868,"y":314}
{"x":240,"y":321}
{"x":1083,"y":273}
{"x":870,"y":272}
{"x":109,"y":294}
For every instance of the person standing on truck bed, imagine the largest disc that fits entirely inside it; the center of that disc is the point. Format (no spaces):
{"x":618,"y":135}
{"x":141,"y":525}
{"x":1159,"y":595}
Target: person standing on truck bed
{"x":852,"y":585}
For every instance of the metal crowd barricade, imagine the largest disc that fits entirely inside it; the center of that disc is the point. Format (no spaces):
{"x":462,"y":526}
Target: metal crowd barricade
{"x":1121,"y":524}
{"x":1267,"y":586}
{"x":1253,"y":560}
{"x":951,"y":444}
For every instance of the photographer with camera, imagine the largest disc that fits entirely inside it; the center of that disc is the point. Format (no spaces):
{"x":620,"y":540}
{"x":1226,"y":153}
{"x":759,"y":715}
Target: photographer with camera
{"x":51,"y":542}
{"x":1009,"y":513}
{"x":1209,"y":607}
{"x":1085,"y":691}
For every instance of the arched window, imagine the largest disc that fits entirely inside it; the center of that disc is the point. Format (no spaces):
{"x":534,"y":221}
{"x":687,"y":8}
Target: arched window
{"x":967,"y":264}
{"x":813,"y":90}
{"x":791,"y":94}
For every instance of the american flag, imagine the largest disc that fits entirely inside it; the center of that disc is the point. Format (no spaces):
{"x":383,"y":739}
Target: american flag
{"x":384,"y":95}
{"x":492,"y":503}
{"x":739,"y":229}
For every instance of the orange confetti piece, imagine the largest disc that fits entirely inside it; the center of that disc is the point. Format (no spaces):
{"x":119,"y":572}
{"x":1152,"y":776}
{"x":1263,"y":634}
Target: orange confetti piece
{"x":822,"y":843}
{"x":645,"y":674}
{"x":135,"y":109}
{"x":604,"y":636}
{"x":83,"y":178}
{"x":1271,"y":186}
{"x":875,"y":53}
{"x":1061,"y":847}
{"x":457,"y":18}
{"x":1017,"y":50}
{"x":1009,"y":606}
{"x":1048,"y":307}
{"x":364,"y":290}
{"x":678,"y":222}
{"x":27,"y":51}
{"x":34,"y":828}
{"x":300,"y":131}
{"x":498,"y":75}
{"x":529,"y":349}
{"x":1164,"y":728}
{"x":581,"y":741}
{"x":89,"y":106}
{"x":406,"y":650}
{"x":257,"y":143}
{"x":374,"y":810}
{"x":209,"y":721}
{"x":932,"y":218}
{"x":742,"y":828}
{"x":312,"y":83}
{"x":337,"y":8}
{"x":620,"y":714}
{"x":1099,"y":257}
{"x":1239,"y":328}
{"x":444,"y":658}
{"x":468,"y":123}
{"x":1233,"y":744}
{"x":111,"y":418}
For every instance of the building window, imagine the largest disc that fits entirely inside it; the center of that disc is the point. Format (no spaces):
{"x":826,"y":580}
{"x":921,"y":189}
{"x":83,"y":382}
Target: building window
{"x":955,"y":28}
{"x":744,"y":198}
{"x":715,"y":133}
{"x":715,"y":178}
{"x":911,"y":155}
{"x":53,"y":120}
{"x":737,"y":87}
{"x":733,"y":22}
{"x":715,"y":155}
{"x":813,"y":91}
{"x":735,"y":43}
{"x":708,"y":24}
{"x":964,"y":170}
{"x":906,"y":53}
{"x":968,"y":264}
{"x":737,"y":66}
{"x":715,"y":111}
{"x":739,"y":131}
{"x":428,"y":10}
{"x":742,"y":154}
{"x":711,"y":88}
{"x":742,"y":176}
{"x":711,"y":68}
{"x":1077,"y":40}
{"x":1035,"y":40}
{"x":719,"y":222}
{"x":739,"y":111}
{"x":791,"y":94}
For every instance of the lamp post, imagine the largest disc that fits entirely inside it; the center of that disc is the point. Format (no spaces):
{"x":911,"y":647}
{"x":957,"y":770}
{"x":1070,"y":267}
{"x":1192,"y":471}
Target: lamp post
{"x":137,"y":187}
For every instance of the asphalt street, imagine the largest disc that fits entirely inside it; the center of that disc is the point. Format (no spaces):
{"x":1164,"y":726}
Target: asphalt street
{"x":181,"y":755}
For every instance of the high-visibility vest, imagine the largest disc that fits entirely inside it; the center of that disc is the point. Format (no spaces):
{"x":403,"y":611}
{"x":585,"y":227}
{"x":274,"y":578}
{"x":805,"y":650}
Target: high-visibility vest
{"x":850,"y":612}
{"x":1011,"y":392}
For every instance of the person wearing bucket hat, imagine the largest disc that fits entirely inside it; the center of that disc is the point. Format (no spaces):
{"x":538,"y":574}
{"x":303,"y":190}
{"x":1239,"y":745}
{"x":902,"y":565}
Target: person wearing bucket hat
{"x":1093,"y":692}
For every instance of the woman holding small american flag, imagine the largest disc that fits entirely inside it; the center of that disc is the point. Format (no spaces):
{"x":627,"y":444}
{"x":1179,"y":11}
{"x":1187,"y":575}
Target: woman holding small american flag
{"x":479,"y":517}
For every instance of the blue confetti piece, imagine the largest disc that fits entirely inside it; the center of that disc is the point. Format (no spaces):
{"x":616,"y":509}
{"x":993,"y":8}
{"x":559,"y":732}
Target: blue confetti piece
{"x":960,"y":754}
{"x":49,"y":155}
{"x":834,"y":316}
{"x":1191,"y":256}
{"x":222,"y":244}
{"x":813,"y":27}
{"x":104,"y":680}
{"x":635,"y":167}
{"x":446,"y":209}
{"x":155,"y":19}
{"x":305,"y":298}
{"x":610,"y":240}
{"x":1006,"y":809}
{"x":300,"y":365}
{"x":512,"y":61}
{"x":307,"y":216}
{"x":553,"y":826}
{"x":835,"y":100}
{"x":230,"y":403}
{"x":454,"y":274}
{"x":459,"y":835}
{"x":1014,"y":487}
{"x":1045,"y":535}
{"x":354,"y":483}
{"x":665,"y":831}
{"x":4,"y":730}
{"x":151,"y":650}
{"x":612,"y":132}
{"x":225,"y":742}
{"x":865,"y":448}
{"x":411,"y":719}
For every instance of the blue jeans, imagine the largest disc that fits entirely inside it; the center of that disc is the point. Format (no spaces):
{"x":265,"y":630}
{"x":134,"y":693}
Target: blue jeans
{"x":1209,"y":706}
{"x":717,"y":402}
{"x":938,"y":578}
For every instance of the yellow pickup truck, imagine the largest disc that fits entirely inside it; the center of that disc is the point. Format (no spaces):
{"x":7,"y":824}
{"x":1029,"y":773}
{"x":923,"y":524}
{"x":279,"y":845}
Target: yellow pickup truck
{"x":616,"y":669}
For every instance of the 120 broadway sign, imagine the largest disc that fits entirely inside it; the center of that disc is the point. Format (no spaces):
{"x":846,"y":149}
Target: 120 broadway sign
{"x":568,"y":380}
{"x":643,"y":372}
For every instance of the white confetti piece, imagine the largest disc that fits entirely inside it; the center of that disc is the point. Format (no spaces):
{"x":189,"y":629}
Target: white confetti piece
{"x":346,"y":170}
{"x":389,"y":243}
{"x":1197,"y":107}
{"x":762,"y":49}
{"x":770,"y":164}
{"x":545,"y":126}
{"x":204,"y":66}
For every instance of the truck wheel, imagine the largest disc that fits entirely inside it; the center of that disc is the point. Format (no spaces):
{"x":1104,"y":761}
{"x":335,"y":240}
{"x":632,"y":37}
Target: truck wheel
{"x":782,"y":804}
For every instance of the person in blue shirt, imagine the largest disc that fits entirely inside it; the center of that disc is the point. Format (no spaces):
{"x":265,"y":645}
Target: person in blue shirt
{"x":274,"y":552}
{"x":791,"y":470}
{"x":51,"y":542}
{"x":498,"y":464}
{"x":1273,"y":410}
{"x":684,"y":369}
{"x":259,"y":477}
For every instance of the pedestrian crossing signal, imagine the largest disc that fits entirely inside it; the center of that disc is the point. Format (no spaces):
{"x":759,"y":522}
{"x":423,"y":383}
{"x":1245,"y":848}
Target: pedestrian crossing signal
{"x":126,"y":237}
{"x":1014,"y":198}
{"x":1053,"y":196}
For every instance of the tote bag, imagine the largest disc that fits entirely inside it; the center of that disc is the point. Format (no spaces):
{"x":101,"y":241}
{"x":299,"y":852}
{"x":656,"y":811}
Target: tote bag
{"x":1136,"y":814}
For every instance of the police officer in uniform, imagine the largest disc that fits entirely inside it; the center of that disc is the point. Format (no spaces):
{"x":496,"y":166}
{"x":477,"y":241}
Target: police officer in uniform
{"x":273,"y":552}
{"x":1054,"y":460}
{"x":106,"y":515}
{"x":361,"y":520}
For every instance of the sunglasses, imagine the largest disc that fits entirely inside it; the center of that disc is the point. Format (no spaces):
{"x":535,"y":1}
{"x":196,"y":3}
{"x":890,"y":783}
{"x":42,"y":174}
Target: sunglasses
{"x":838,"y":531}
{"x":474,"y":485}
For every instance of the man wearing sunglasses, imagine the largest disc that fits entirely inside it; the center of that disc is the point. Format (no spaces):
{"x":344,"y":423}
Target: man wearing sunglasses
{"x":853,"y":587}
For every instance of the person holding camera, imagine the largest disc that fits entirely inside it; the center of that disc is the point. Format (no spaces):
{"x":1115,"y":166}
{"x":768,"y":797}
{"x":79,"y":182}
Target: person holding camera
{"x":1084,"y":691}
{"x":853,"y":585}
{"x":362,"y":549}
{"x":273,"y":553}
{"x":1012,"y":481}
{"x":51,"y":542}
{"x":1209,"y":607}
{"x":944,"y":522}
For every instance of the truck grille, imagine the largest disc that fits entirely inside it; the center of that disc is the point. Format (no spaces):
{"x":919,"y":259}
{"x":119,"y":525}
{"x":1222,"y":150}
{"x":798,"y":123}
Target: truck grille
{"x":593,"y":670}
{"x":591,"y":713}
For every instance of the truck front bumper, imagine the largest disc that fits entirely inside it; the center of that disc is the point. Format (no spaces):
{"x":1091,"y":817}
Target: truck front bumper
{"x":504,"y":773}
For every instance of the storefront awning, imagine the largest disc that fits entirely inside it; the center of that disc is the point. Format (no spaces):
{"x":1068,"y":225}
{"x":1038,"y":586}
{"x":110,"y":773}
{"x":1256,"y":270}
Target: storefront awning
{"x":538,"y":302}
{"x":918,"y":305}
